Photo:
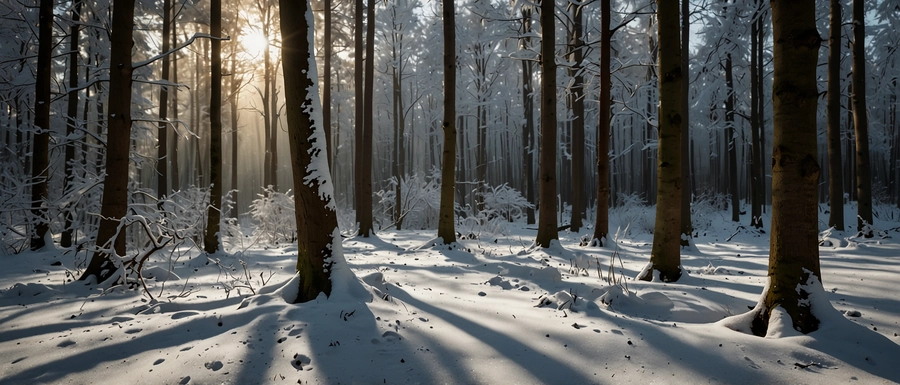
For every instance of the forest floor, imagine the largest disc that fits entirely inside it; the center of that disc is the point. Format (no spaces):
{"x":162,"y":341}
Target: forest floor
{"x":491,"y":310}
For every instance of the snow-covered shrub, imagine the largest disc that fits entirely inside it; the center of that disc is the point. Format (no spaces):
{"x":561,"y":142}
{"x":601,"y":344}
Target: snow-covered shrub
{"x":505,"y":201}
{"x":420,"y":201}
{"x":184,"y":212}
{"x":634,"y":214}
{"x":15,"y":199}
{"x":705,"y":207}
{"x":274,"y":214}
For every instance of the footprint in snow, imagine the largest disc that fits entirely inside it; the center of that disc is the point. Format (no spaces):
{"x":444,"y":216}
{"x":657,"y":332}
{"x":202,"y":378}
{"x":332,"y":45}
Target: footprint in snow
{"x":158,"y":361}
{"x":301,"y":362}
{"x":214,"y":365}
{"x":752,"y":364}
{"x":133,"y":331}
{"x":66,"y":343}
{"x":391,"y":336}
{"x":185,"y":380}
{"x":184,"y":314}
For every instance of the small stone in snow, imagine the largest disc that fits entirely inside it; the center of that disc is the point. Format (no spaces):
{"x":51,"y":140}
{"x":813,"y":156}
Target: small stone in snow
{"x":481,"y":293}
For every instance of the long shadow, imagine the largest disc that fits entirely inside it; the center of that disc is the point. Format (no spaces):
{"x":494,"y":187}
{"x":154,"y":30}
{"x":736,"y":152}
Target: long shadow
{"x":200,"y":328}
{"x":546,"y":369}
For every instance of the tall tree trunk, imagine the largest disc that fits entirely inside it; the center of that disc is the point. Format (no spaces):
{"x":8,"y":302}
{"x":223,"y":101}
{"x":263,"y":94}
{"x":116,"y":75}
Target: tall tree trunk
{"x":577,"y":97}
{"x":326,"y":80}
{"x":71,"y":117}
{"x":731,"y":143}
{"x":366,"y":226}
{"x":861,"y":122}
{"x":528,"y":107}
{"x":835,"y":171}
{"x":358,"y":102}
{"x":794,"y":271}
{"x":235,"y":93}
{"x":41,"y":146}
{"x":665,"y":257}
{"x":446,"y":224}
{"x":211,"y":239}
{"x":176,"y":172}
{"x":318,"y":246}
{"x":268,"y":165}
{"x":114,"y":204}
{"x":756,"y":181}
{"x":687,"y":228}
{"x":162,"y":146}
{"x":547,"y":221}
{"x":601,"y":226}
{"x":273,"y":109}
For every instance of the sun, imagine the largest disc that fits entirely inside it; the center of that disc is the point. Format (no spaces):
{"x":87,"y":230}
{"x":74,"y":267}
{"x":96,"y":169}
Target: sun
{"x":254,"y":42}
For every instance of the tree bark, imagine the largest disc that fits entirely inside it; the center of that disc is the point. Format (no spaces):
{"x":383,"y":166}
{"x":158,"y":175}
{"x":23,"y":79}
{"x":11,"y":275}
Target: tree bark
{"x":665,"y":256}
{"x":114,"y":204}
{"x":328,"y":51}
{"x":65,"y":239}
{"x":446,"y":224}
{"x":364,"y":212}
{"x":833,"y":108}
{"x":547,"y":222}
{"x":794,"y":253}
{"x":861,"y":123}
{"x":731,"y":143}
{"x":756,"y":180}
{"x":162,"y":145}
{"x":687,"y":227}
{"x":528,"y":143}
{"x":577,"y":98}
{"x":601,"y":225}
{"x":358,"y":106}
{"x":41,"y":145}
{"x":317,"y":230}
{"x":211,"y":239}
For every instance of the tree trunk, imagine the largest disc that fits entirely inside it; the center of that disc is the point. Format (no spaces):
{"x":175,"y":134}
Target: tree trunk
{"x":756,"y":180}
{"x":601,"y":226}
{"x":731,"y":143}
{"x":328,"y":50}
{"x":547,"y":221}
{"x":176,"y":172}
{"x":446,"y":225}
{"x":687,"y":228}
{"x":318,"y":246}
{"x":364,"y":212}
{"x":211,"y":240}
{"x":794,"y":253}
{"x":162,"y":145}
{"x":71,"y":117}
{"x":861,"y":123}
{"x":833,"y":108}
{"x":41,"y":146}
{"x":665,"y":256}
{"x":358,"y":105}
{"x":528,"y":107}
{"x":577,"y":98}
{"x":235,"y":93}
{"x":114,"y":204}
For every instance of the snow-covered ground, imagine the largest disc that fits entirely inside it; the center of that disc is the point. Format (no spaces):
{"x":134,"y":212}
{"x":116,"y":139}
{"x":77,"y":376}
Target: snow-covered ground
{"x":492,"y":310}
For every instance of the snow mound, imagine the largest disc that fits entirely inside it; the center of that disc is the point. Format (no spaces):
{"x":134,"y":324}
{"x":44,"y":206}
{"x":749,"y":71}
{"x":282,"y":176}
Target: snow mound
{"x":159,"y":274}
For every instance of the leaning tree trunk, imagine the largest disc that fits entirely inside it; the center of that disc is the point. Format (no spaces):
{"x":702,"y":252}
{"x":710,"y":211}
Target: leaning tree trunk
{"x":446,"y":225}
{"x":114,"y":204}
{"x":794,"y":252}
{"x":41,"y":145}
{"x":317,"y":245}
{"x":833,"y":107}
{"x":665,"y":256}
{"x":211,"y":240}
{"x":861,"y":123}
{"x":547,"y":222}
{"x":601,"y":225}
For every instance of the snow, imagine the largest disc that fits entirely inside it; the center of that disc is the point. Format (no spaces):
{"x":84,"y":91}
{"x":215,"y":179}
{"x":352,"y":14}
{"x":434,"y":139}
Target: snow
{"x":408,"y":309}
